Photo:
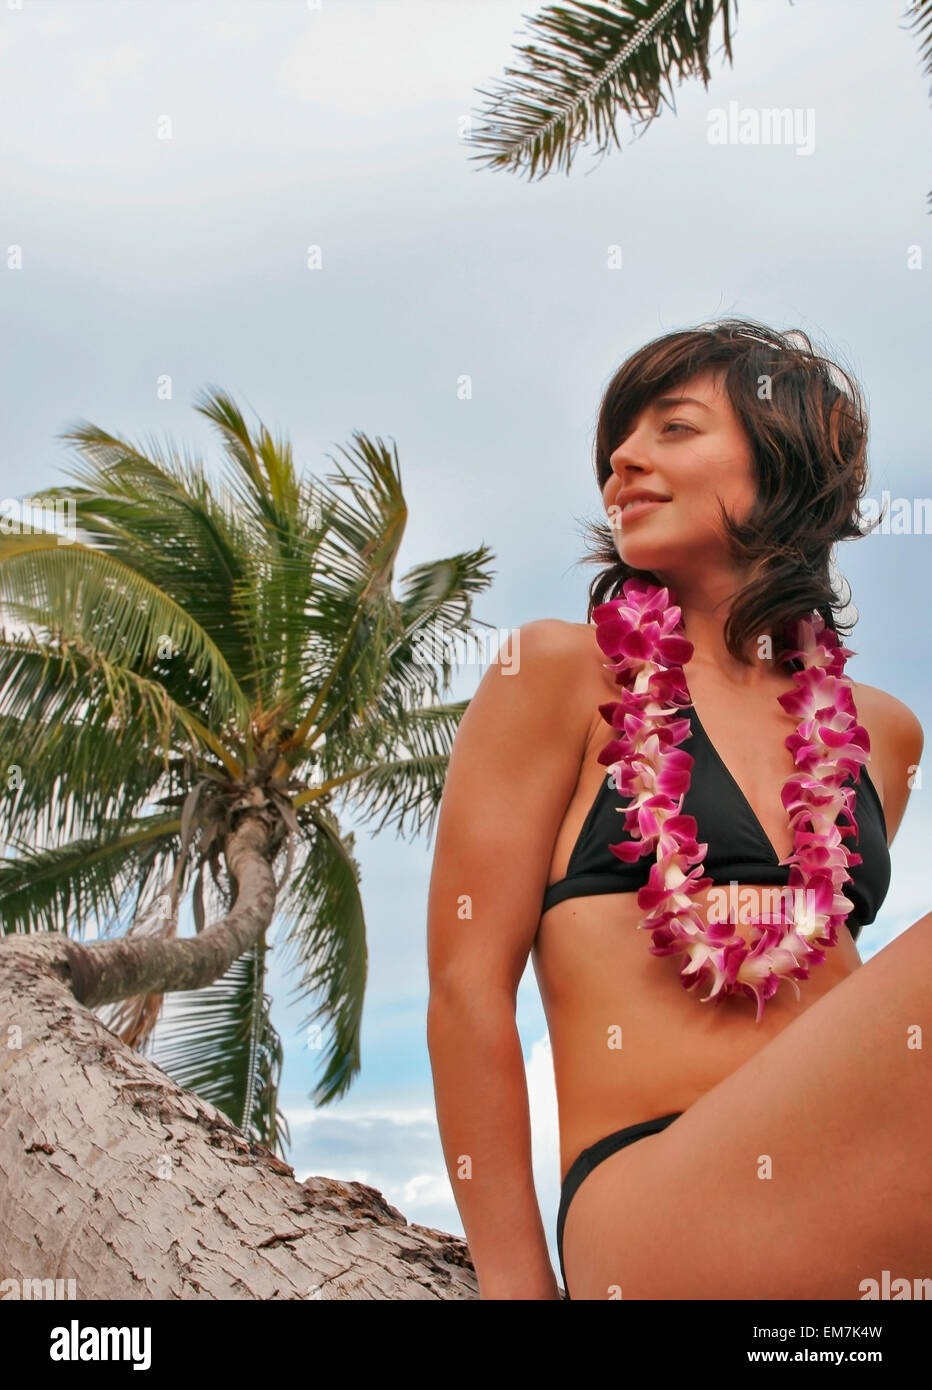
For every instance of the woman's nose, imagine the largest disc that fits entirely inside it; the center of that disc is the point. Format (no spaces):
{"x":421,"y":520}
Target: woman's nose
{"x":631,"y":451}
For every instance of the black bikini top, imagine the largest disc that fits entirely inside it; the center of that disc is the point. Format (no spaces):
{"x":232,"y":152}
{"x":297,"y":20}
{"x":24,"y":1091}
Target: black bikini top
{"x":738,"y":849}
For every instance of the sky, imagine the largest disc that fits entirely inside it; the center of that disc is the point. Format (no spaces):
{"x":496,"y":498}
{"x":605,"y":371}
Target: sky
{"x":166,"y":166}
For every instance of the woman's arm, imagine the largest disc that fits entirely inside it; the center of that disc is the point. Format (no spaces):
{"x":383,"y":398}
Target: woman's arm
{"x":513,"y":769}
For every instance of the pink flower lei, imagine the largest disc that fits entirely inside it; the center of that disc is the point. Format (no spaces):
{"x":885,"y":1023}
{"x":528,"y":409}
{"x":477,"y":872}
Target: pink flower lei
{"x":641,"y":633}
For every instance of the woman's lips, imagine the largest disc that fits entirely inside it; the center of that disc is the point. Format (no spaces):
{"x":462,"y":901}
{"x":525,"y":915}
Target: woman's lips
{"x":637,"y":509}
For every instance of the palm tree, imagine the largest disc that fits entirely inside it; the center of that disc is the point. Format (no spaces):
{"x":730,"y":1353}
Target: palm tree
{"x":590,"y":59}
{"x":185,"y":688}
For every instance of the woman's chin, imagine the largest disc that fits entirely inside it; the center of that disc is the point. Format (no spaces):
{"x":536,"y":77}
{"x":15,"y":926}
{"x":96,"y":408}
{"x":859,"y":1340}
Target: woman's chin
{"x":643,"y":557}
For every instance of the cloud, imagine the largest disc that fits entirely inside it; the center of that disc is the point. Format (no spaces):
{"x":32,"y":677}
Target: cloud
{"x":396,"y":1149}
{"x":542,"y":1101}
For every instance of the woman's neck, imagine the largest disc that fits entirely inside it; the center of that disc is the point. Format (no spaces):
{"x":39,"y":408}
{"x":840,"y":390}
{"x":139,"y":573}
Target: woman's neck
{"x":705,"y":609}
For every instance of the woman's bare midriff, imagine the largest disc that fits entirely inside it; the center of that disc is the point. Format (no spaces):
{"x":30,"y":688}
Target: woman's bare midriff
{"x":629,"y":1043}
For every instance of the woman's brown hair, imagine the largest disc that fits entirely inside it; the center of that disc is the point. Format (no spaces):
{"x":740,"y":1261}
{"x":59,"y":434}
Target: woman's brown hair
{"x":805,"y":421}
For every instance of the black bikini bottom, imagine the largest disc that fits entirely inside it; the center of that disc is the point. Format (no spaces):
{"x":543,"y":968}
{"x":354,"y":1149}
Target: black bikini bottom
{"x":582,"y":1166}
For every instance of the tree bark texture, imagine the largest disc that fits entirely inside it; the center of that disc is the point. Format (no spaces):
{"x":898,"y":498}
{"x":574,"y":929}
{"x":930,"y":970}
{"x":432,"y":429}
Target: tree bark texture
{"x":113,"y":1176}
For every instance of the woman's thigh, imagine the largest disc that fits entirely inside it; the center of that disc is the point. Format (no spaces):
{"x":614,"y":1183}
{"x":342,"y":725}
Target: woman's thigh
{"x":801,"y":1174}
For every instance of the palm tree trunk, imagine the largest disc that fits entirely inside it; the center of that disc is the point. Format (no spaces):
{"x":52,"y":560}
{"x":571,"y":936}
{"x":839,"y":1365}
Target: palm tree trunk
{"x":112,"y":1176}
{"x":102,"y":972}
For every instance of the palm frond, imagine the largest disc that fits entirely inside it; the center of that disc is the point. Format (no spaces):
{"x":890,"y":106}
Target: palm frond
{"x":158,"y":512}
{"x":436,"y":623}
{"x":265,"y":480}
{"x":327,"y":930}
{"x":406,"y":777}
{"x":590,"y":59}
{"x":86,"y":594}
{"x":433,"y":631}
{"x":91,"y":739}
{"x":288,"y":519}
{"x":919,"y":19}
{"x":220,"y":1043}
{"x":355,"y":615}
{"x":99,"y":880}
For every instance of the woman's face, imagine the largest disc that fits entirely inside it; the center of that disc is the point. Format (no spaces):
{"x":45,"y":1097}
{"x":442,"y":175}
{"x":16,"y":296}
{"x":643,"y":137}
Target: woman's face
{"x":688,"y":447}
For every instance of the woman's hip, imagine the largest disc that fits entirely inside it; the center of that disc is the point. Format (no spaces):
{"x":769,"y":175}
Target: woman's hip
{"x":591,"y":1157}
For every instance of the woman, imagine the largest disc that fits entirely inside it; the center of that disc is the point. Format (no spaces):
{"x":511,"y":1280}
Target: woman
{"x":763,"y":1133}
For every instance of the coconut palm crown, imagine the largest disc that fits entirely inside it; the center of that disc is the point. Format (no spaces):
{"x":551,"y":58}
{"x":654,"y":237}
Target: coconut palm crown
{"x":196,"y":653}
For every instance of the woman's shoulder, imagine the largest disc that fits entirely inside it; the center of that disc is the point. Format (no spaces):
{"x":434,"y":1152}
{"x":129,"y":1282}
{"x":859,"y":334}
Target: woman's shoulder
{"x":533,"y":705}
{"x":557,"y":674}
{"x":896,"y":742}
{"x":553,"y":648}
{"x":889,"y":719}
{"x":559,"y":633}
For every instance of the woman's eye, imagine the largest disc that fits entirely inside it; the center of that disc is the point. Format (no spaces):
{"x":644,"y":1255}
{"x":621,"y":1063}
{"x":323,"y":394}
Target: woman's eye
{"x":674,"y":425}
